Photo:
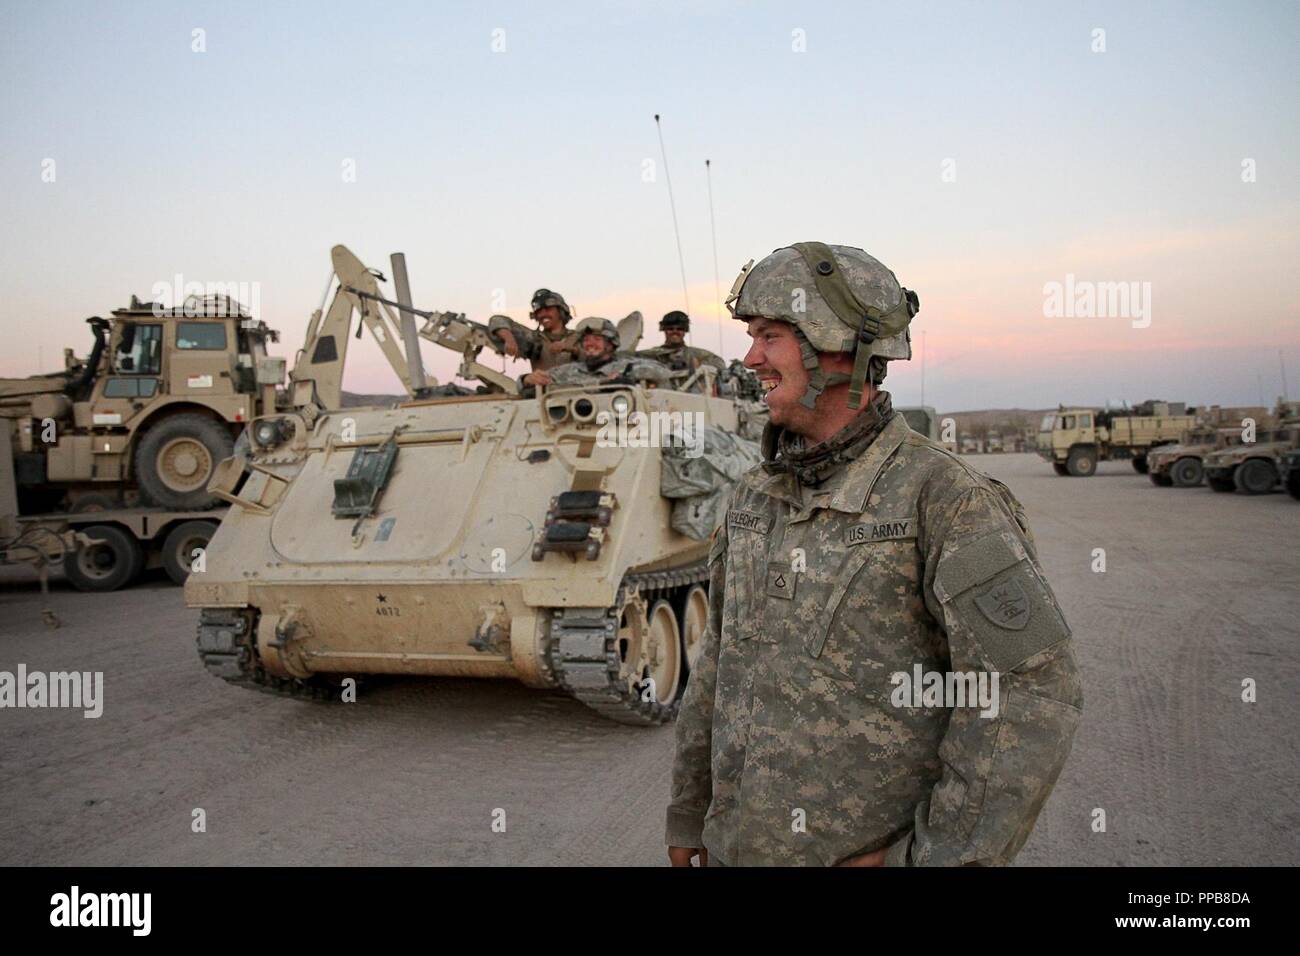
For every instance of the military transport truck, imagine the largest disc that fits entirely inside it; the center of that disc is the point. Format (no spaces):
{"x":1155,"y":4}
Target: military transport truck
{"x":121,"y":445}
{"x":560,"y":540}
{"x":1073,"y":440}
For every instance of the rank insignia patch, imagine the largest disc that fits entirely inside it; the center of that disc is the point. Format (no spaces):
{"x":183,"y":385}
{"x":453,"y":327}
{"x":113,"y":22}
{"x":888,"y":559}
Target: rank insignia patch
{"x":780,"y":581}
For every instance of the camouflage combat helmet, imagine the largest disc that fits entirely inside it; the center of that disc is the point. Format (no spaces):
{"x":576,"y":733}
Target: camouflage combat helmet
{"x":603,"y":327}
{"x":676,"y":319}
{"x":839,"y":299}
{"x":544,"y":297}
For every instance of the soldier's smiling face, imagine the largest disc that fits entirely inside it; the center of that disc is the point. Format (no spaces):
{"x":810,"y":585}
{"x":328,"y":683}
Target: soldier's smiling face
{"x":674,"y":336}
{"x":549,"y":318}
{"x":595,"y":345}
{"x":774,"y":357}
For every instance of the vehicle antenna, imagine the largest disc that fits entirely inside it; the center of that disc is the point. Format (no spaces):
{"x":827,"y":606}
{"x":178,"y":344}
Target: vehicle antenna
{"x":672,"y":204}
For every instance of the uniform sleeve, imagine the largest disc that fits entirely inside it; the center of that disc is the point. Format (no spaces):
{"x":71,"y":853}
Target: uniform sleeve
{"x":983,"y":584}
{"x":571,"y":373}
{"x":692,"y":787}
{"x":642,"y":369}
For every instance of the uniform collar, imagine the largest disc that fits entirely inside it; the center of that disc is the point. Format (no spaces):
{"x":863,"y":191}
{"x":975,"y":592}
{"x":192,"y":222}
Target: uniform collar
{"x":848,"y":487}
{"x":853,"y":484}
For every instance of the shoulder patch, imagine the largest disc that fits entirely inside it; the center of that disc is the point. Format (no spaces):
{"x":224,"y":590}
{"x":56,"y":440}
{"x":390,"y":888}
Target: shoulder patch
{"x":1005,"y":604}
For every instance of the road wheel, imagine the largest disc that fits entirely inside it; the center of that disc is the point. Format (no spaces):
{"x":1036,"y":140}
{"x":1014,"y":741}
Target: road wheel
{"x":1255,"y":476}
{"x":1060,"y":469}
{"x":111,"y":562}
{"x":1160,"y":480}
{"x":1187,"y":472}
{"x":179,"y":545}
{"x":695,"y":619}
{"x":661,"y":654}
{"x":1082,"y":463}
{"x":176,"y":458}
{"x":1222,"y":485}
{"x":1140,"y":464}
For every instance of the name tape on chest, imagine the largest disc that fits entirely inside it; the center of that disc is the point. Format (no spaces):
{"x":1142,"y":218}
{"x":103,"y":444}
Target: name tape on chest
{"x":749,"y":521}
{"x":887,"y":529}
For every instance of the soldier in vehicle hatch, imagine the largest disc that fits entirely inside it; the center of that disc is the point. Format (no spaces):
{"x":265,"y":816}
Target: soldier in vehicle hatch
{"x":675,"y":353}
{"x":598,"y":342}
{"x":552,"y":344}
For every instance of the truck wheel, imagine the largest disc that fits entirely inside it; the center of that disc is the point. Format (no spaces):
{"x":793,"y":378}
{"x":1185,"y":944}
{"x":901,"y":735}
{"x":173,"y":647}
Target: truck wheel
{"x":1082,"y":463}
{"x":178,"y":547}
{"x":1255,"y":476}
{"x":1222,"y":485}
{"x":1059,"y":468}
{"x":1140,"y":464}
{"x":176,"y":459}
{"x":1160,"y":481}
{"x":1187,"y":472}
{"x":114,"y":561}
{"x":1293,"y":483}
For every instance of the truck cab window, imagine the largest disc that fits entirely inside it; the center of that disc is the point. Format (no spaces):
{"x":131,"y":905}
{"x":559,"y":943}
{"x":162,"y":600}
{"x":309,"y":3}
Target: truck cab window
{"x":140,"y":350}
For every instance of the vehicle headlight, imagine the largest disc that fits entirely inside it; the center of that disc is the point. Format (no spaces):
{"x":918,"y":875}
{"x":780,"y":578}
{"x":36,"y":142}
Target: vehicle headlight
{"x":621,"y":404}
{"x":269,"y":432}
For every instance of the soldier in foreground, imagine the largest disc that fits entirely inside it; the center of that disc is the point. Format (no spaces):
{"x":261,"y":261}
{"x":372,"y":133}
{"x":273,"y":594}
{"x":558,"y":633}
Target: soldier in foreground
{"x":675,"y":353}
{"x":857,"y":554}
{"x":552,"y":344}
{"x":598,"y":343}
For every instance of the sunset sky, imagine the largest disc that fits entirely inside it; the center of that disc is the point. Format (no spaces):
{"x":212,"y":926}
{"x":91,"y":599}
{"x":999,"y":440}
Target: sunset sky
{"x":979,"y":150}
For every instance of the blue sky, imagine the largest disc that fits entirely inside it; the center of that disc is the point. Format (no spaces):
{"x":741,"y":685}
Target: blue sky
{"x":515,"y":169}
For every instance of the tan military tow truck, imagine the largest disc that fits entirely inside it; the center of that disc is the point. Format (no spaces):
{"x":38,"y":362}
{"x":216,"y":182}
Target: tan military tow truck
{"x":1073,"y":440}
{"x":120,"y":446}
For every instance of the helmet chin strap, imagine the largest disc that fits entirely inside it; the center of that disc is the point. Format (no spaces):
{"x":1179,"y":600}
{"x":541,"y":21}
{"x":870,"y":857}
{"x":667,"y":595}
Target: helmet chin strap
{"x":818,"y":380}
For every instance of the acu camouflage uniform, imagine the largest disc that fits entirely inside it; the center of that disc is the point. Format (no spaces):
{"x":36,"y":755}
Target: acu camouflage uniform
{"x":628,"y":368}
{"x":683,"y":358}
{"x":542,"y":350}
{"x":912,"y":557}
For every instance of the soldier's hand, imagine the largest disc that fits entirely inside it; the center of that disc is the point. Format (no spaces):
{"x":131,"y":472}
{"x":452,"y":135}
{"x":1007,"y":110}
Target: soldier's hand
{"x":682,"y":855}
{"x":874,"y":858}
{"x":509,"y":343}
{"x":537,"y":378}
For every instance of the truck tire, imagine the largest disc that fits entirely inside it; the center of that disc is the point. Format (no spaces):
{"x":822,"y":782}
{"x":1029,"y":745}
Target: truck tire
{"x":1187,"y":472}
{"x":178,"y":547}
{"x":1160,"y":481}
{"x":1060,"y":469}
{"x":176,"y":458}
{"x":1082,"y":462}
{"x":1222,"y":485}
{"x":111,"y":563}
{"x":1140,"y":464}
{"x":1255,"y":476}
{"x":1293,"y":483}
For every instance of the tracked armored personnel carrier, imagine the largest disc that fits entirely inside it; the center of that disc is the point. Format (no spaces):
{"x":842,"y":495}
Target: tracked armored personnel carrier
{"x":559,"y":539}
